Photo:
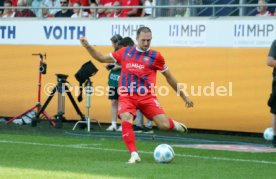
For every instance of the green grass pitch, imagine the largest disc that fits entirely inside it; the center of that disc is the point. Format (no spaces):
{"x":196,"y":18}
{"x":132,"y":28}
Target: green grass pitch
{"x":27,"y":152}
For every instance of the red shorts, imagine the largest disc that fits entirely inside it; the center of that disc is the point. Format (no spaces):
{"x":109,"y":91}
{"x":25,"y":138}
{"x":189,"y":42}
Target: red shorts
{"x":148,"y":105}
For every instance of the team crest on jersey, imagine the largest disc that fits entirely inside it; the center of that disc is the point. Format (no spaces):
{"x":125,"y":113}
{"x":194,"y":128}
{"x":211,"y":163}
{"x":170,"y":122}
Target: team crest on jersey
{"x":146,"y":59}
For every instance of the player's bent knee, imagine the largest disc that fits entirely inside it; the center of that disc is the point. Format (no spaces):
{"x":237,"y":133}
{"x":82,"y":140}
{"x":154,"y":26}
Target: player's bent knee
{"x":126,"y":117}
{"x":164,"y":126}
{"x":162,"y":122}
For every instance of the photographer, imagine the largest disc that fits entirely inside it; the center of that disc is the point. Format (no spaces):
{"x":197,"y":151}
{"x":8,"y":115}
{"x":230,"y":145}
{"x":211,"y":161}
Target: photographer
{"x":115,"y":71}
{"x":113,"y":79}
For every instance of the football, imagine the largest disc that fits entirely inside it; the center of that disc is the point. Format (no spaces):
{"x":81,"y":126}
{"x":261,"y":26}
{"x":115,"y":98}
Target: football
{"x":163,"y":153}
{"x":268,"y":134}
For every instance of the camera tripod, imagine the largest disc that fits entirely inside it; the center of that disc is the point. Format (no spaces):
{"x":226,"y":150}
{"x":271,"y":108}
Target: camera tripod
{"x":62,"y":88}
{"x":88,"y":92}
{"x":41,"y":70}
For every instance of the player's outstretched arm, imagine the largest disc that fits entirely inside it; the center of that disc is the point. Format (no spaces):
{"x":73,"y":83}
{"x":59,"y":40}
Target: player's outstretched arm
{"x":95,"y":54}
{"x":173,"y":83}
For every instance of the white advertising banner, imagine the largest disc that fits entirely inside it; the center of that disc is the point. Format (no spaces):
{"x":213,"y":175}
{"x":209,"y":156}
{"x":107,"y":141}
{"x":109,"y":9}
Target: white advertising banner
{"x":206,"y":32}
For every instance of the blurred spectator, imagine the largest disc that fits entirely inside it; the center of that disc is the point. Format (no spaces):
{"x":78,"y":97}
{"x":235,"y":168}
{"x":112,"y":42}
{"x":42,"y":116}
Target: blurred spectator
{"x":118,"y":11}
{"x":28,"y":3}
{"x":176,"y":11}
{"x":8,"y":13}
{"x":23,"y":12}
{"x":82,"y":2}
{"x":78,"y":12}
{"x":164,"y":12}
{"x":171,"y":11}
{"x":64,"y":12}
{"x":147,"y":11}
{"x":262,"y":10}
{"x":93,"y":11}
{"x":45,"y":11}
{"x":54,"y":4}
{"x":128,"y":11}
{"x":105,"y":12}
{"x":194,"y":11}
{"x":95,"y":1}
{"x":36,"y":4}
{"x":14,"y":2}
{"x":180,"y":11}
{"x":1,"y":5}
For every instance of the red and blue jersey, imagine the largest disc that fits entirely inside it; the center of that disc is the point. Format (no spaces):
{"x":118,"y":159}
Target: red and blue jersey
{"x":138,"y":68}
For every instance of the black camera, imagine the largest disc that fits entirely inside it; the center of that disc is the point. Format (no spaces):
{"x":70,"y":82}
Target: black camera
{"x":43,"y":68}
{"x":87,"y":70}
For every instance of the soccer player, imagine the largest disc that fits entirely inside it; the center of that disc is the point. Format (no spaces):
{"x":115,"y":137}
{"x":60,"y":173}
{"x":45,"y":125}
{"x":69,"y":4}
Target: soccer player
{"x":138,"y":76}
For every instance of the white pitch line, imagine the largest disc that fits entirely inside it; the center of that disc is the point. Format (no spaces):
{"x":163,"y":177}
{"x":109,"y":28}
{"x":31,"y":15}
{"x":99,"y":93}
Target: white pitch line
{"x":81,"y":146}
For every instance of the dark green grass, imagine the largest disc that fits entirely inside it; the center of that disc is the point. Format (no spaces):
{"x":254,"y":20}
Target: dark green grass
{"x":45,"y":152}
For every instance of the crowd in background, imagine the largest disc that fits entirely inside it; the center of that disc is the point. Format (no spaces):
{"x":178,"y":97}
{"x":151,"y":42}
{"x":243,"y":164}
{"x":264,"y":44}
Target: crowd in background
{"x":40,"y":8}
{"x":55,"y":8}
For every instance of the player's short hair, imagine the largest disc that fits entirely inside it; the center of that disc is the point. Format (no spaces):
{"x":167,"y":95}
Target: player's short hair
{"x":143,"y":29}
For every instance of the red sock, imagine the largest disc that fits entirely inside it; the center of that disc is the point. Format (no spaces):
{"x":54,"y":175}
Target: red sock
{"x":171,"y":124}
{"x":128,"y":136}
